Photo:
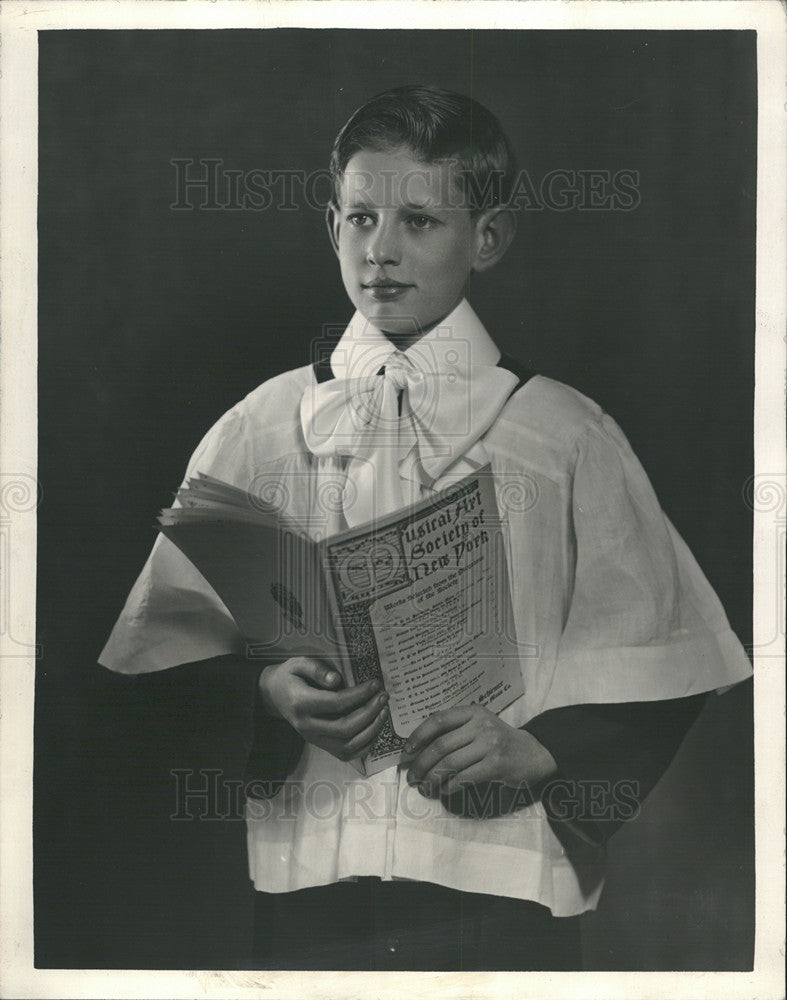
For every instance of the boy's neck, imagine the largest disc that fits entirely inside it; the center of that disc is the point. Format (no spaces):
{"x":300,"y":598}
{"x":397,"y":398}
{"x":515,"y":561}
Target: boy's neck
{"x":406,"y":338}
{"x":401,"y":341}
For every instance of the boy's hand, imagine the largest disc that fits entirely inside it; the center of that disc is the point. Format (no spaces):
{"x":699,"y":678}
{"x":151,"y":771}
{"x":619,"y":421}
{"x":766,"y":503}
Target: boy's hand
{"x":311,"y":696}
{"x":471,"y":745}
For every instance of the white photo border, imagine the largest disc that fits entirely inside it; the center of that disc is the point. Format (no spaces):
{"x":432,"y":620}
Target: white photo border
{"x":19,"y":24}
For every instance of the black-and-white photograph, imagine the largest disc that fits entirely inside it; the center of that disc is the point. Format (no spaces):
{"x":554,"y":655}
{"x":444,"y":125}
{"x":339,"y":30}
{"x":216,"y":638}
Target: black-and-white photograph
{"x":395,"y":496}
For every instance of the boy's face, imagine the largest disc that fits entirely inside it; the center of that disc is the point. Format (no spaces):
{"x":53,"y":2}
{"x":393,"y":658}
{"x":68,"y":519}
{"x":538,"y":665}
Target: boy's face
{"x":405,"y":248}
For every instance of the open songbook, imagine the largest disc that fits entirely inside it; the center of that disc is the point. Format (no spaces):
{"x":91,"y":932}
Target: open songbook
{"x":419,"y":599}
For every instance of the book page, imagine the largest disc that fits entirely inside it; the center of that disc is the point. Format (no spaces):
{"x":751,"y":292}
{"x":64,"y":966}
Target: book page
{"x":424,"y":602}
{"x":446,"y":644}
{"x":267,"y":576}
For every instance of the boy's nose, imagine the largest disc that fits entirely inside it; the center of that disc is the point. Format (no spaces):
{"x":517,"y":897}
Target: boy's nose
{"x":383,"y":247}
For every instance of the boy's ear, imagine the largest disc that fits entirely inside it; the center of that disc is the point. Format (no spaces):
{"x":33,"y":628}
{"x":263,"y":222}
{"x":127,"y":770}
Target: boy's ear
{"x":332,"y":222}
{"x":494,"y":230}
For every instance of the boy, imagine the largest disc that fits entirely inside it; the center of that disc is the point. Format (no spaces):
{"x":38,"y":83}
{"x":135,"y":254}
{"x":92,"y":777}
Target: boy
{"x":482,"y":848}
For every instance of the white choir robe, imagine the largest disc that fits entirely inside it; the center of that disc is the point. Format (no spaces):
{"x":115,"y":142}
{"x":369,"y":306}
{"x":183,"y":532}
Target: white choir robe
{"x":609,"y":607}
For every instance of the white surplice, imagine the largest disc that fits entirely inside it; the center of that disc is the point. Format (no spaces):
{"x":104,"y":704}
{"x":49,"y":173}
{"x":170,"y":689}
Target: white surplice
{"x":609,"y":604}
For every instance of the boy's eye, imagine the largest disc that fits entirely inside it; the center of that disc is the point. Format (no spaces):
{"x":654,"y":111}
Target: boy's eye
{"x":421,"y":222}
{"x":359,"y":219}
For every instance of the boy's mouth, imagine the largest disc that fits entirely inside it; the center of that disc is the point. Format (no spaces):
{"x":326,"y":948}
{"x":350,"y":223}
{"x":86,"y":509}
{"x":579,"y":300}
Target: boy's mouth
{"x":385,"y":288}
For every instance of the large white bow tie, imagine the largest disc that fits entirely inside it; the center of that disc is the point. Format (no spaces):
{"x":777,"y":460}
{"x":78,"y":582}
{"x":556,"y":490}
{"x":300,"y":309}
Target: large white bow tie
{"x":442,"y":415}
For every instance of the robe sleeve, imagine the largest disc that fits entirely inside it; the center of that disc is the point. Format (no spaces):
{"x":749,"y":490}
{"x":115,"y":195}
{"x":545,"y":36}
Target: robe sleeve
{"x":643,"y":623}
{"x":172,"y":615}
{"x":602,"y":751}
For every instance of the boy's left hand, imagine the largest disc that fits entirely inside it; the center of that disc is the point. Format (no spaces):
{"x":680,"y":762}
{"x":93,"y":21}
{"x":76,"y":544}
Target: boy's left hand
{"x":471,"y":745}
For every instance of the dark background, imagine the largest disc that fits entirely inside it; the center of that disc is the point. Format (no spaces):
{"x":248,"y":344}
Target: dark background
{"x":155,"y":321}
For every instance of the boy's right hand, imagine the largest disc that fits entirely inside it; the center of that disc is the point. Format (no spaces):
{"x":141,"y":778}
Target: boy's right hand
{"x":311,"y":696}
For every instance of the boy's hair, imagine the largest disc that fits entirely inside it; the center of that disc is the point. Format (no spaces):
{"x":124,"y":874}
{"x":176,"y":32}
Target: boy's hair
{"x":437,"y":126}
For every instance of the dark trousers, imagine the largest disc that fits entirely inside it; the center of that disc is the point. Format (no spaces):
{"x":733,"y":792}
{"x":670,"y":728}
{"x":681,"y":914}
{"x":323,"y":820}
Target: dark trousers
{"x":409,"y":926}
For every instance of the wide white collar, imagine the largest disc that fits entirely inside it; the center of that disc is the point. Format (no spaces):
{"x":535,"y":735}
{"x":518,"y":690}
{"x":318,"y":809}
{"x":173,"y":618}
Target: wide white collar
{"x":404,"y":429}
{"x":460,"y":338}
